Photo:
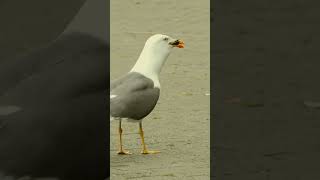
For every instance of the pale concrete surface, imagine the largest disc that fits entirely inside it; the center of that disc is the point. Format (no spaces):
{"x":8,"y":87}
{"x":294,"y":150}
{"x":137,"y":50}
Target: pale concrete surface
{"x":179,"y":125}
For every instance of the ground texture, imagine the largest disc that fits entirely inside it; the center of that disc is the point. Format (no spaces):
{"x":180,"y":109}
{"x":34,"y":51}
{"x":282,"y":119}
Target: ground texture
{"x":179,"y":125}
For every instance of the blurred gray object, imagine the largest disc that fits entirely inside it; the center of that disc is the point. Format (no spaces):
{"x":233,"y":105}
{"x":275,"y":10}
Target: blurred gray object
{"x":29,"y":24}
{"x":54,"y":80}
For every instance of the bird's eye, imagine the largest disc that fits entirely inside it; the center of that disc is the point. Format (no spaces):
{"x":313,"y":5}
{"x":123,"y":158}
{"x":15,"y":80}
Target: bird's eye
{"x":166,"y":39}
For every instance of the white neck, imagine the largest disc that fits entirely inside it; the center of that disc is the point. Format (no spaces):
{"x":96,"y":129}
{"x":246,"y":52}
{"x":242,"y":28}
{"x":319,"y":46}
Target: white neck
{"x":150,"y":63}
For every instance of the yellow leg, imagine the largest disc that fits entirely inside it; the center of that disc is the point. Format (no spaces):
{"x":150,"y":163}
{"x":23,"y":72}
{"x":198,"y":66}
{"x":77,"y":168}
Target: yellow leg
{"x":144,"y":148}
{"x":121,"y":151}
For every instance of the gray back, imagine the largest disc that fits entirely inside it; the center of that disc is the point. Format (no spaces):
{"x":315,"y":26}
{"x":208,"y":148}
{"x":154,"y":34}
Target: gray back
{"x":135,"y":98}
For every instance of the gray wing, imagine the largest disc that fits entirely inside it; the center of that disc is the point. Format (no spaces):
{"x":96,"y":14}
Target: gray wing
{"x":8,"y":110}
{"x":133,"y":96}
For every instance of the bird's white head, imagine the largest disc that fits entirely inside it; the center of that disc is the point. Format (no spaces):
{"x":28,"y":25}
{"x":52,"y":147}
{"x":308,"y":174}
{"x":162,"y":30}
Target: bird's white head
{"x":154,"y":54}
{"x":162,"y":44}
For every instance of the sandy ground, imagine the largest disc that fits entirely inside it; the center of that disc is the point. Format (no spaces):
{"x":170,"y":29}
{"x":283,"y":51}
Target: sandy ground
{"x":179,"y":125}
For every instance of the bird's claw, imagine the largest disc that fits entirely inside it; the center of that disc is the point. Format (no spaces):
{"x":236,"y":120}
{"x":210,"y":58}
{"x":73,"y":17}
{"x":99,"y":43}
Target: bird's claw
{"x":149,"y":152}
{"x":122,"y":152}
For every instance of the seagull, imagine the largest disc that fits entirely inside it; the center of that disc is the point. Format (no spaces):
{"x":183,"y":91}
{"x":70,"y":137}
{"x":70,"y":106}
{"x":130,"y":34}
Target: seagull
{"x":134,"y":95}
{"x":53,"y":98}
{"x":56,"y":114}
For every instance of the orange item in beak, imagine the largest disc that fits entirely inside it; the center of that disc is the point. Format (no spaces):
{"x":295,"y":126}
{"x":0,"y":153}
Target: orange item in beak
{"x":181,"y":44}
